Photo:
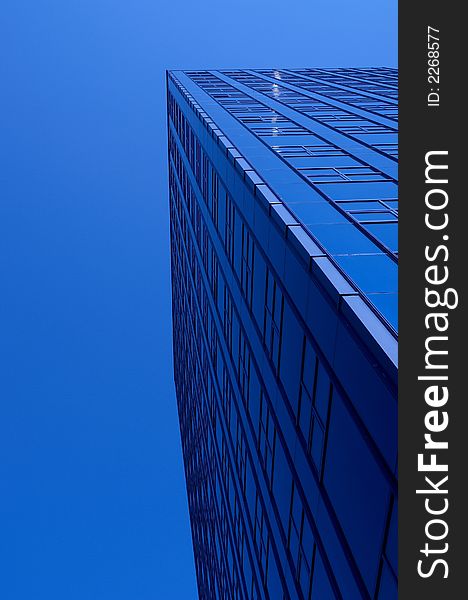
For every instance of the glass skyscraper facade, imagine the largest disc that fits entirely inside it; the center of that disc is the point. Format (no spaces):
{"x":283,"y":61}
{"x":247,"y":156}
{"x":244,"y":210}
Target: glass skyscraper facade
{"x":283,"y":205}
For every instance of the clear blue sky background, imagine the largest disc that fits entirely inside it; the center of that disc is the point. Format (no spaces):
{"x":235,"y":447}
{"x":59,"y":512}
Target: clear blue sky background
{"x":92,"y":493}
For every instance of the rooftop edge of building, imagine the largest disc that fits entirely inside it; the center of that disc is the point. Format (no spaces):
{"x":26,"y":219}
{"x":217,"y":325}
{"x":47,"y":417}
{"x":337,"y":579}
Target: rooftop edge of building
{"x":364,"y":316}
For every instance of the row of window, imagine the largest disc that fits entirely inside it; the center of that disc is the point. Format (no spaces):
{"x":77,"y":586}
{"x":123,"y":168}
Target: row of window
{"x":225,"y":471}
{"x":218,"y":575}
{"x":352,"y":97}
{"x":260,"y":533}
{"x":266,"y":432}
{"x":300,"y":541}
{"x":361,"y":79}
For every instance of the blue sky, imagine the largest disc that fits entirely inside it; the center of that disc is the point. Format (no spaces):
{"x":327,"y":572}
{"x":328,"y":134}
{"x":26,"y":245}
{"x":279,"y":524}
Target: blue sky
{"x":92,"y":493}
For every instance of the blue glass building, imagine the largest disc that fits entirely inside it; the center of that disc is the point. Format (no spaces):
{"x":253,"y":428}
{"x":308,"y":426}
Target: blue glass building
{"x":283,"y":202}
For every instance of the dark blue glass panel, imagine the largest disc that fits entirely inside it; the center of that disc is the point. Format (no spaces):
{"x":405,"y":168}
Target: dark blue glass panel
{"x":362,"y":509}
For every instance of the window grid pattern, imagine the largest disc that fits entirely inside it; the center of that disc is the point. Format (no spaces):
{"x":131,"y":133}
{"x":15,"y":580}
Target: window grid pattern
{"x":233,"y":444}
{"x":327,"y":165}
{"x":354,"y":93}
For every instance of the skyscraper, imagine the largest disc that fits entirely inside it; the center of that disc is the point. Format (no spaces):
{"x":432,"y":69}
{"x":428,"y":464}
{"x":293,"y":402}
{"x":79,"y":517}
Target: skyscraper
{"x":283,"y":203}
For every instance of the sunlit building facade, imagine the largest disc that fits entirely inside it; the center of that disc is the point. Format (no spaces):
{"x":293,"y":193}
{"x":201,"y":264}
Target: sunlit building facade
{"x":283,"y":204}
